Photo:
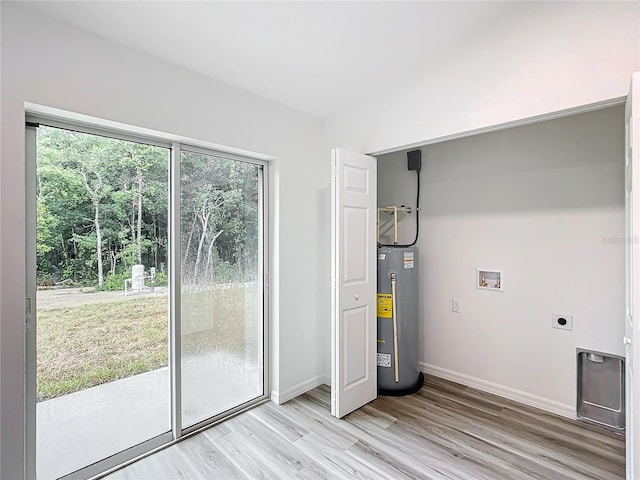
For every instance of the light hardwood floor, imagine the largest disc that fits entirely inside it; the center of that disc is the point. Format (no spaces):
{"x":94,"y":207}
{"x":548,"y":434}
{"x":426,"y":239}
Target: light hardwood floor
{"x":445,"y":431}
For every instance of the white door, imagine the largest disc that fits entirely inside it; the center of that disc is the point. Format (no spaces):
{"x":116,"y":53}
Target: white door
{"x":632,"y":332}
{"x":353,"y":298}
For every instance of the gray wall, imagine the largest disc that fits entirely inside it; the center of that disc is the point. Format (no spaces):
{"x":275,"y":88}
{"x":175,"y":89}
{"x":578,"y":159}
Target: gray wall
{"x":544,"y":203}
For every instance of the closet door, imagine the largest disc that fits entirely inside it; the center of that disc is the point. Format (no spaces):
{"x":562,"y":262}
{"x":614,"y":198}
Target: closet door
{"x":353,"y":323}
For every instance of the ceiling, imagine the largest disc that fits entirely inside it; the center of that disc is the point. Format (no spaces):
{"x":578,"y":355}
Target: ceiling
{"x":315,"y":56}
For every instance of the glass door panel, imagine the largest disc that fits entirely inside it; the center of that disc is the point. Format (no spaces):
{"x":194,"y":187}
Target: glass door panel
{"x":222,"y":286}
{"x":99,"y":380}
{"x":102,"y":382}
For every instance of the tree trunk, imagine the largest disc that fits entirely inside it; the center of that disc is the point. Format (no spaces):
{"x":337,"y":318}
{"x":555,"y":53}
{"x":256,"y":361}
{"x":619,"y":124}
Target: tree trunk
{"x":139,"y":229}
{"x":204,"y":219}
{"x":96,"y":222}
{"x":74,"y":244}
{"x":206,"y":274}
{"x":188,"y":247}
{"x":96,"y":193}
{"x":156,"y":243}
{"x":114,"y":260}
{"x":63,"y":250}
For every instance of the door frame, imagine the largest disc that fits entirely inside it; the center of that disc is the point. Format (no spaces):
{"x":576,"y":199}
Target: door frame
{"x":632,"y":283}
{"x":176,"y":432}
{"x":30,"y":301}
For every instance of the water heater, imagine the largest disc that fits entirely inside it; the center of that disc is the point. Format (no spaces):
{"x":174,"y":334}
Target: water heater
{"x":398,"y":321}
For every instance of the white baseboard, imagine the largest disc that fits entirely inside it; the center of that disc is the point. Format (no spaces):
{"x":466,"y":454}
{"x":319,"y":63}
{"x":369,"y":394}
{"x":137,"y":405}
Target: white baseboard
{"x":526,"y":398}
{"x":281,"y":397}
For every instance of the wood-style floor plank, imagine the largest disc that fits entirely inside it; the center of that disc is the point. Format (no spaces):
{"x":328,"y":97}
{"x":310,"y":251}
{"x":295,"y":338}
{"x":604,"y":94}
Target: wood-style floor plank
{"x":446,"y":431}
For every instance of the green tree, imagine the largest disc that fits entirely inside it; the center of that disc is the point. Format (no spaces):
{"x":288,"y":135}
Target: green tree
{"x":103,"y":201}
{"x":93,"y":192}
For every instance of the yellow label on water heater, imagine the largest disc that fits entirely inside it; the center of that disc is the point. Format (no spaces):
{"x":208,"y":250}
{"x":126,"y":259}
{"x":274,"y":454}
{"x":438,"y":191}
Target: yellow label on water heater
{"x":385,"y":305}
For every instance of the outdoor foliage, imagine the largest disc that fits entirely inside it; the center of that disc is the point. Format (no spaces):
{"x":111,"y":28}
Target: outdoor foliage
{"x":219,"y":220}
{"x":103,"y":207}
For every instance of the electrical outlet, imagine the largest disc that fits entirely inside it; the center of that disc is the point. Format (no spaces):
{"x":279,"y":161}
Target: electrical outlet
{"x":456,"y":305}
{"x":562,"y":321}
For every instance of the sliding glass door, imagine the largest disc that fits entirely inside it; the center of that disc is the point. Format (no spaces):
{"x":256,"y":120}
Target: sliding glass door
{"x":222,"y":284}
{"x":102,"y":383}
{"x":149,"y":320}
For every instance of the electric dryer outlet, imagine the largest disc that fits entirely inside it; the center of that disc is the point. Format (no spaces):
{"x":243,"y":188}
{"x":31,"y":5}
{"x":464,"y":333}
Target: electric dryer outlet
{"x":562,"y":321}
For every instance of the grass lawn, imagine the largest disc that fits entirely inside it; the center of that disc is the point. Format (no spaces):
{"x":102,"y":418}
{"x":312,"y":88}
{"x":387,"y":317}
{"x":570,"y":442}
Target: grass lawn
{"x":80,"y":347}
{"x":83,"y":346}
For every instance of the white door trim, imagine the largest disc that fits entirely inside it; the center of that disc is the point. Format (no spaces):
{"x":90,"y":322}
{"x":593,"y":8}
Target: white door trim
{"x":632,"y":287}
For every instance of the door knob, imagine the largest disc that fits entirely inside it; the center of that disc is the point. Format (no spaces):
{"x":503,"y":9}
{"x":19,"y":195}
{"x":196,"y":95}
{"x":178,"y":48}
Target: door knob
{"x":626,"y":341}
{"x":357,"y":296}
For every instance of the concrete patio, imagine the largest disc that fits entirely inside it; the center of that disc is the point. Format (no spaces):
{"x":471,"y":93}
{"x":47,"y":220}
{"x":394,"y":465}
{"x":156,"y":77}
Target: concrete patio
{"x":81,"y":428}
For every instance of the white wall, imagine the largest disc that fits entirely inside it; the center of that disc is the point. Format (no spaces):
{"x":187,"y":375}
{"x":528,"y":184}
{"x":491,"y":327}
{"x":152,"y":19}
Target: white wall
{"x":545,"y":204}
{"x":545,"y":57}
{"x":47,"y":63}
